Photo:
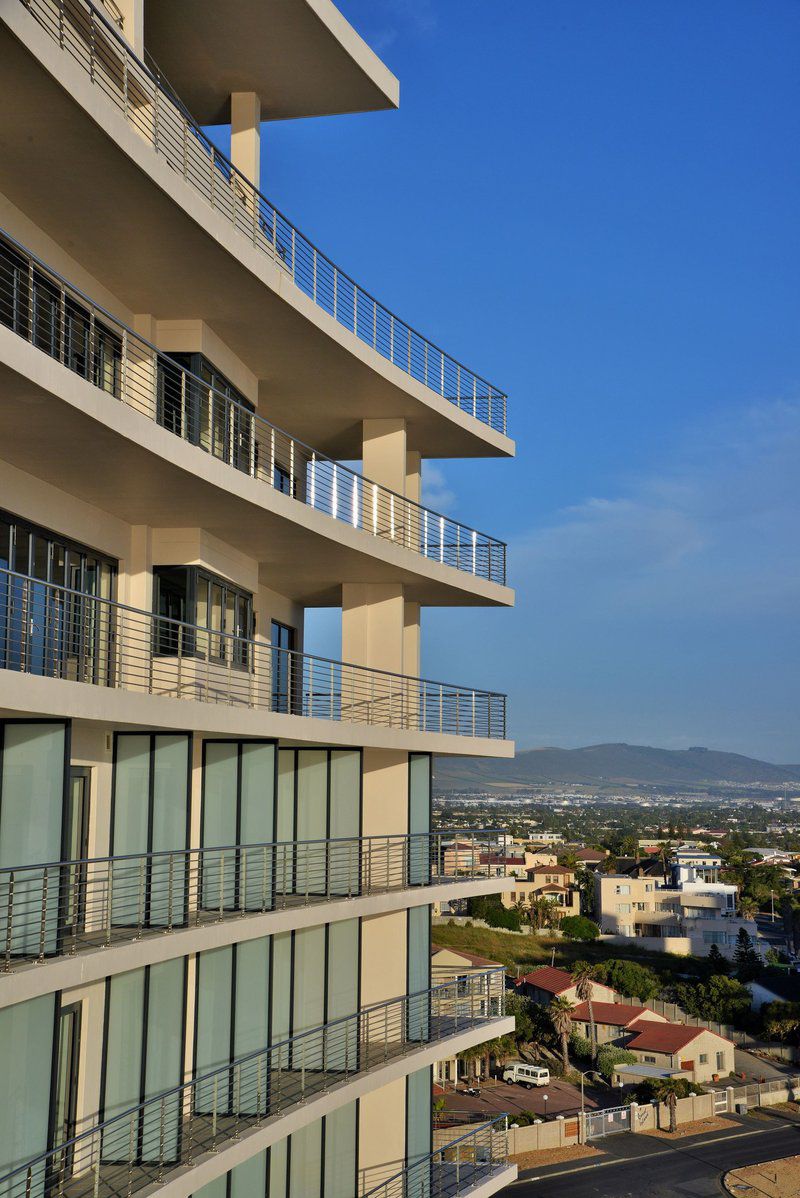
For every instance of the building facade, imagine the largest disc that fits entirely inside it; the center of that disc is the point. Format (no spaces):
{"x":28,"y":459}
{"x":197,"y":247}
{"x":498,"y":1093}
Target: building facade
{"x":682,"y":915}
{"x":217,"y":864}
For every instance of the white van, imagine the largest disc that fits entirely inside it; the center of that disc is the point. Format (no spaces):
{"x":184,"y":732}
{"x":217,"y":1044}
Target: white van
{"x":526,"y":1075}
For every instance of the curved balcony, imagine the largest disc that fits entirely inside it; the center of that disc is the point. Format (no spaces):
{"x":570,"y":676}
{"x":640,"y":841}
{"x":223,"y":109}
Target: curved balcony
{"x":158,"y":116}
{"x":463,"y":1166}
{"x":63,"y":908}
{"x":216,"y":1110}
{"x":54,"y":632}
{"x":46,"y":310}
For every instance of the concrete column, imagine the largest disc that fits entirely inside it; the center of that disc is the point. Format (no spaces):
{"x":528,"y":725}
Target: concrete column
{"x":246,"y":135}
{"x":133,"y":24}
{"x":414,"y":475}
{"x":139,"y":570}
{"x":384,"y":453}
{"x":373,"y":625}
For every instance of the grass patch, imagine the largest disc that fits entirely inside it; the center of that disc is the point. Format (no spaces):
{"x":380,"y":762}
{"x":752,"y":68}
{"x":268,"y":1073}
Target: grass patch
{"x":527,"y":952}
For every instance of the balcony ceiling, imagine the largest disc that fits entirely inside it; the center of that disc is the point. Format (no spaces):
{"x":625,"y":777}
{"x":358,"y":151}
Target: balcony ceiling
{"x":145,"y":235}
{"x":300,"y":56}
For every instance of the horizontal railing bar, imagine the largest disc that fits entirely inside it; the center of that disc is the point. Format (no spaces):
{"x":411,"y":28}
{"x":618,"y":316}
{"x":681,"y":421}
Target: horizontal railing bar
{"x":392,"y":837}
{"x":478,"y":987}
{"x":237,"y":672}
{"x":127,"y":81}
{"x":245,"y":413}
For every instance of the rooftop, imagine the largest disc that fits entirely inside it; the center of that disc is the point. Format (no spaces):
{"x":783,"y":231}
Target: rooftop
{"x":556,"y":981}
{"x":665,"y":1037}
{"x":614,"y":1014}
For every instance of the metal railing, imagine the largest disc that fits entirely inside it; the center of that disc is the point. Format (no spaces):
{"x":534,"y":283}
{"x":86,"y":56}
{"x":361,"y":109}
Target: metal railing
{"x":144,"y":97}
{"x":59,"y":908}
{"x":56,"y":632}
{"x":44,"y":308}
{"x":140,"y":1145}
{"x":453,"y":1169}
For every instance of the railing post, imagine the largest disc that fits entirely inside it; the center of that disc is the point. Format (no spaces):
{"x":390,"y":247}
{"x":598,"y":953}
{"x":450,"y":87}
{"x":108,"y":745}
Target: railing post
{"x":9,"y":921}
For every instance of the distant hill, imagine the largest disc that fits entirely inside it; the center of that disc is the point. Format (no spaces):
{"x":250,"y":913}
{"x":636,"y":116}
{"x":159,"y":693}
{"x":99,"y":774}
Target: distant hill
{"x":610,"y":765}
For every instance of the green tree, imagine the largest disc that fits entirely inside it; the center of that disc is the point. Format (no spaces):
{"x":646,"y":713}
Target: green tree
{"x":631,"y":979}
{"x":781,"y":1021}
{"x":578,"y":927}
{"x":745,"y":957}
{"x":717,"y":962}
{"x":561,"y":1014}
{"x":720,"y":999}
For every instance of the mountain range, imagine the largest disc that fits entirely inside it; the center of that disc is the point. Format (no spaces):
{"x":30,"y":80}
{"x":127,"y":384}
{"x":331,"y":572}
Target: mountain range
{"x":611,"y":765}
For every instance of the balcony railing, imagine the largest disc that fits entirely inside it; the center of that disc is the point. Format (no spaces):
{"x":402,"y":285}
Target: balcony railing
{"x":60,"y":908}
{"x":456,"y":1168}
{"x":158,"y":116}
{"x":56,"y":632}
{"x":142,"y":1145}
{"x":44,"y":308}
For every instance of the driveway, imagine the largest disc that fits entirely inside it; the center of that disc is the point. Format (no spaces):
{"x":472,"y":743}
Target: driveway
{"x":754,"y":1068}
{"x":497,"y":1098}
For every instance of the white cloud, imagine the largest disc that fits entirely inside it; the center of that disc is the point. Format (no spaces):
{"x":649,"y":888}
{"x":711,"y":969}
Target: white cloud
{"x":714,"y":529}
{"x":436,"y":493}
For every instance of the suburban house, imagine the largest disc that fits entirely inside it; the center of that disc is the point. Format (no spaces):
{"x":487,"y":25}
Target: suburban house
{"x":546,"y":983}
{"x":591,"y":858}
{"x":451,"y":965}
{"x":676,"y":1050}
{"x":505,"y":865}
{"x":613,"y":1021}
{"x":684,"y":915}
{"x":554,"y":882}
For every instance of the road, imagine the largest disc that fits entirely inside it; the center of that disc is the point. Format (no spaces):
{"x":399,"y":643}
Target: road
{"x":645,"y":1167}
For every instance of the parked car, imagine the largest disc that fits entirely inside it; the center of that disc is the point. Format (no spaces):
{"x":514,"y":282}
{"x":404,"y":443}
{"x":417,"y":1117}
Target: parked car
{"x":526,"y":1075}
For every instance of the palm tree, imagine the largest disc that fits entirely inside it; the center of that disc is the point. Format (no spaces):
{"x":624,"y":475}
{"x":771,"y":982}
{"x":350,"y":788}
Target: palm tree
{"x":748,"y":907}
{"x":561,"y":1014}
{"x":668,"y":1091}
{"x":583,"y":975}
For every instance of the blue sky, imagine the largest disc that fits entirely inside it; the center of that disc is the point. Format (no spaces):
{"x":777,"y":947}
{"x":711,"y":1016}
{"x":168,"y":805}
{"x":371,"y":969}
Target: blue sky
{"x":594,"y":204}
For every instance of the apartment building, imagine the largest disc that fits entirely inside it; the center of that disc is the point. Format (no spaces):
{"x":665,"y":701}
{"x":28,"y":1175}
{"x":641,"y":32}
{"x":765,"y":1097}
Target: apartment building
{"x":683,"y":914}
{"x":216,"y":858}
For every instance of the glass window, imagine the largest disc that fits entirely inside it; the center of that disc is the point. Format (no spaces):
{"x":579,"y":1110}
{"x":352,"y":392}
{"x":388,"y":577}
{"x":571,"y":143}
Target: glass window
{"x":419,"y":817}
{"x":196,"y":401}
{"x":189,"y":596}
{"x":285,"y":679}
{"x":340,"y":1152}
{"x":13,"y":289}
{"x":26,"y":1054}
{"x":419,"y":971}
{"x":418,"y":1122}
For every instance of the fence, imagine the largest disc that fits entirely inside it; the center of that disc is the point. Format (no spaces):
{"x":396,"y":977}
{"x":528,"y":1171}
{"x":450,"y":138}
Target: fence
{"x":56,"y":632}
{"x":45,"y":309}
{"x":150,"y":106}
{"x":137,"y":1147}
{"x":59,"y":908}
{"x":454,"y":1168}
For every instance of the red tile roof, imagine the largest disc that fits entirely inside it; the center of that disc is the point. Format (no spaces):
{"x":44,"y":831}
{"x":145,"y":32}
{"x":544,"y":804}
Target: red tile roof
{"x":495,"y":859}
{"x":590,"y":855}
{"x":555,"y":981}
{"x":550,"y":869}
{"x":665,"y":1037}
{"x":615,"y":1014}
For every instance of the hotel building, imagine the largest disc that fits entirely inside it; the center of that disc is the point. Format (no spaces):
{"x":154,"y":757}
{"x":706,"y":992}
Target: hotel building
{"x":216,"y":856}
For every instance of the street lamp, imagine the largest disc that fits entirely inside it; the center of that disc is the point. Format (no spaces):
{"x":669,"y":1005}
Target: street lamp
{"x":584,"y":1075}
{"x":545,"y":1097}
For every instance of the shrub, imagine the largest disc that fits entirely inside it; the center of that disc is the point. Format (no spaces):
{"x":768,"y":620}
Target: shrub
{"x":580,"y":1046}
{"x":632,"y":980}
{"x":578,"y":927}
{"x":609,"y":1056}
